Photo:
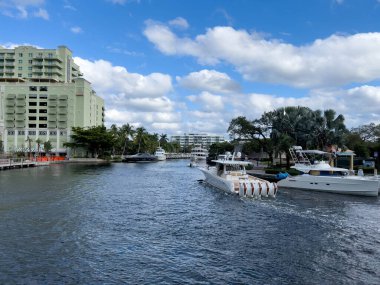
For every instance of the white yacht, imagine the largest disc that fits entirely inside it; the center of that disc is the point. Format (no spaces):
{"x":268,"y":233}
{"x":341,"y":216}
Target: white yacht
{"x":160,"y":154}
{"x":319,"y":175}
{"x":230,"y":176}
{"x":198,"y":155}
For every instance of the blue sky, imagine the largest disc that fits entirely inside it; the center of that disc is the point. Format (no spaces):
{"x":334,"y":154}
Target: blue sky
{"x":192,"y":66}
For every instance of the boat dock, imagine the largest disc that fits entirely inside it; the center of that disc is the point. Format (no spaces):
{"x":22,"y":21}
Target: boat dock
{"x":9,"y":163}
{"x":178,"y":155}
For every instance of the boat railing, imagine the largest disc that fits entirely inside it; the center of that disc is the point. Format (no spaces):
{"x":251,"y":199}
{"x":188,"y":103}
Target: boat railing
{"x":298,"y":156}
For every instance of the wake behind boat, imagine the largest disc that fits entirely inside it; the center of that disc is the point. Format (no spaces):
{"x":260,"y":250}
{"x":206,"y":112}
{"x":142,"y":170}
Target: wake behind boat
{"x":230,"y":176}
{"x":319,"y":175}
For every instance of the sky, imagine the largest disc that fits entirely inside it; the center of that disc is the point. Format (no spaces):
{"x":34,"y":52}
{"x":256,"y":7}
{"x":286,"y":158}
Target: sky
{"x":191,"y":66}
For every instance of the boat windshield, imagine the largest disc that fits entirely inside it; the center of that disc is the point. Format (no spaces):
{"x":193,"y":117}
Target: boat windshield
{"x":327,"y":173}
{"x":234,"y":167}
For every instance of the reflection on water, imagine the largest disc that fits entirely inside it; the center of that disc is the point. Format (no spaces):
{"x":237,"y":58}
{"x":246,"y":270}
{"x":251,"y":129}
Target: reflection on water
{"x":154,"y":223}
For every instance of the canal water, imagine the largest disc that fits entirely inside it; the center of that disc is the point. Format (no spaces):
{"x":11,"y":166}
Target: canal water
{"x":156,"y":224}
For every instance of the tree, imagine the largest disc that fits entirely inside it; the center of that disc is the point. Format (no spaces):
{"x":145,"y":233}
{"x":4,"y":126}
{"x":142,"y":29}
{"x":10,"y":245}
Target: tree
{"x":48,"y":147}
{"x":38,"y":142}
{"x":126,"y":133}
{"x":141,"y":138}
{"x":242,"y":129}
{"x":29,"y":140}
{"x":96,"y":140}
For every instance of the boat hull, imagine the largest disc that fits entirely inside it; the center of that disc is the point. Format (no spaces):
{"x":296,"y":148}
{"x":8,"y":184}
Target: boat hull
{"x":218,"y":182}
{"x":338,"y":185}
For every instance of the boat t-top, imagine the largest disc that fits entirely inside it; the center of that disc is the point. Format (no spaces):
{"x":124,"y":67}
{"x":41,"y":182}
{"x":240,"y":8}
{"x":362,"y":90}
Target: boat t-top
{"x":230,"y":176}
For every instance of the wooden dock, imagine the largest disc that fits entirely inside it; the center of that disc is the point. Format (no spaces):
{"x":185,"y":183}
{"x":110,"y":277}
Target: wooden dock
{"x":9,"y":163}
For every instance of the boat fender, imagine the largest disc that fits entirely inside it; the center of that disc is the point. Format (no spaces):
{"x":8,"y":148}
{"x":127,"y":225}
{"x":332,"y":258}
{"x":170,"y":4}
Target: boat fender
{"x":271,"y":190}
{"x":249,"y":189}
{"x":275,"y":189}
{"x":256,"y":189}
{"x":241,"y":190}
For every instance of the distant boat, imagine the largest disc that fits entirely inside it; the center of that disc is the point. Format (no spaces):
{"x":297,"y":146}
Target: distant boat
{"x":198,"y":155}
{"x":160,"y":154}
{"x":140,"y":157}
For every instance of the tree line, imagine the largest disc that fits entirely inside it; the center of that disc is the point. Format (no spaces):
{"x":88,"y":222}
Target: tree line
{"x":276,"y":131}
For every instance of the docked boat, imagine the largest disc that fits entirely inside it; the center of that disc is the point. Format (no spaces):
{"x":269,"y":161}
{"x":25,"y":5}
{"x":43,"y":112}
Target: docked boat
{"x":140,"y":157}
{"x":198,"y":156}
{"x":319,"y":175}
{"x":230,"y":176}
{"x":160,"y":154}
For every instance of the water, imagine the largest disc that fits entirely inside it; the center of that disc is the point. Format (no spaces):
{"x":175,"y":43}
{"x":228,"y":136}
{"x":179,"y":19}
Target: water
{"x":156,"y":224}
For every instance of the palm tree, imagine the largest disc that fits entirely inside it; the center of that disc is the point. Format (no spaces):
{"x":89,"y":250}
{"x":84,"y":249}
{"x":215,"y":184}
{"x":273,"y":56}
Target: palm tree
{"x":140,"y":138}
{"x":29,"y":140}
{"x":48,"y":147}
{"x":163,"y":139}
{"x":38,"y":142}
{"x":126,"y":132}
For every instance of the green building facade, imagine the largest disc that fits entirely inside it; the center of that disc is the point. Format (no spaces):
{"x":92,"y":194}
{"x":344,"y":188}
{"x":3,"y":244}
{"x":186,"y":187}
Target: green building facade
{"x":42,"y":96}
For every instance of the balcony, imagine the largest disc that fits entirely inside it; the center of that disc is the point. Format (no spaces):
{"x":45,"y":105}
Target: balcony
{"x":62,"y":118}
{"x":10,"y":110}
{"x":20,"y":110}
{"x":20,"y":118}
{"x":62,"y":111}
{"x":9,"y":118}
{"x":10,"y":103}
{"x":52,"y":118}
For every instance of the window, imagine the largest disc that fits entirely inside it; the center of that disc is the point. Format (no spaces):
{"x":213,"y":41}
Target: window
{"x":32,"y":111}
{"x":30,"y":61}
{"x":32,"y":103}
{"x":43,"y":103}
{"x":44,"y":96}
{"x":42,"y":125}
{"x":61,"y":133}
{"x":20,"y":61}
{"x":11,"y":133}
{"x":32,"y":88}
{"x":32,"y":96}
{"x":30,"y":68}
{"x":32,"y":133}
{"x":50,"y":55}
{"x":30,"y":54}
{"x":32,"y":118}
{"x":53,"y":133}
{"x":20,"y":54}
{"x":19,"y":68}
{"x":43,"y":88}
{"x":21,"y":132}
{"x":43,"y":133}
{"x":42,"y":111}
{"x":42,"y":118}
{"x":19,"y":75}
{"x":32,"y":126}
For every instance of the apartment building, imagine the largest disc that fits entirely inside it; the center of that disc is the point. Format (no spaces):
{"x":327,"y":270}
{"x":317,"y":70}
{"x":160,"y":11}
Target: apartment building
{"x":193,"y":139}
{"x":42,"y":96}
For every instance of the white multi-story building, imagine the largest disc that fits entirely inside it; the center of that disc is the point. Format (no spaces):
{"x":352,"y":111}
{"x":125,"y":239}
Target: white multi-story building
{"x":42,"y":96}
{"x":192,"y":139}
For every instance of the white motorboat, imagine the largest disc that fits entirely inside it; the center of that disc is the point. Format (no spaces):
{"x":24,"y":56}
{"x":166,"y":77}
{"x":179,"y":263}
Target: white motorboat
{"x":160,"y":154}
{"x":319,"y":175}
{"x":230,"y":176}
{"x":198,"y":156}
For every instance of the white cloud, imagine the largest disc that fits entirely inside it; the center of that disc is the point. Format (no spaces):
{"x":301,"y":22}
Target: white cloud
{"x":110,"y":79}
{"x":22,"y":9}
{"x":76,"y":30}
{"x":207,"y":101}
{"x":140,"y":100}
{"x":179,"y":22}
{"x":209,"y":80}
{"x":41,"y":13}
{"x":333,"y":61}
